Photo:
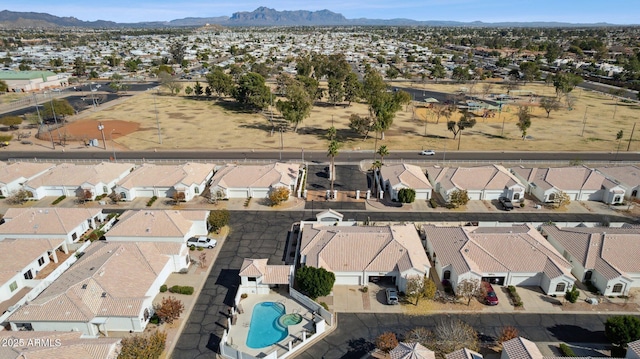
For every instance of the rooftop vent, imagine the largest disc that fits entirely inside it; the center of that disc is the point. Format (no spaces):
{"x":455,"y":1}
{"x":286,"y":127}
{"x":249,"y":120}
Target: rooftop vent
{"x":104,"y":295}
{"x":84,"y":286}
{"x":92,"y":268}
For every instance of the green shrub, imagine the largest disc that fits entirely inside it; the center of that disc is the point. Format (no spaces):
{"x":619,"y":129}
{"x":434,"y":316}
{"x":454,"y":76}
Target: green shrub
{"x":365,"y":289}
{"x":433,"y":203}
{"x":192,"y":247}
{"x":521,"y":204}
{"x":58,"y":200}
{"x":218,"y":219}
{"x":566,"y":350}
{"x":407,"y":195}
{"x":154,"y":320}
{"x":150,"y":202}
{"x":163,"y":288}
{"x":324,"y":305}
{"x":572,"y":295}
{"x":5,"y":138}
{"x":244,"y":295}
{"x":515,"y":297}
{"x":188,"y":290}
{"x":200,"y":249}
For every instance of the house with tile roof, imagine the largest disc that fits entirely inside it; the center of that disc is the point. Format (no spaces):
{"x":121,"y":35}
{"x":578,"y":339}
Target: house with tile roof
{"x":22,"y":259}
{"x":71,"y":180}
{"x":50,"y":223}
{"x":607,"y":257}
{"x":579,"y":183}
{"x":397,"y":177}
{"x":258,"y":277}
{"x":159,"y":226}
{"x":518,"y":255}
{"x":165,"y":181}
{"x":520,"y":348}
{"x":411,"y":351}
{"x":110,"y":288}
{"x":60,"y":345}
{"x":233,"y":181}
{"x":481,"y":183}
{"x":360,"y":254}
{"x":463,"y":353}
{"x":633,"y":350}
{"x":626,"y":176}
{"x":14,"y":175}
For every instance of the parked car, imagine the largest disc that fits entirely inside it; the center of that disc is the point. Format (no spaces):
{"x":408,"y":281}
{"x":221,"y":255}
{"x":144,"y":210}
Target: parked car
{"x":428,"y":153}
{"x":506,"y":203}
{"x":490,"y":297}
{"x":203,"y":242}
{"x":392,"y":296}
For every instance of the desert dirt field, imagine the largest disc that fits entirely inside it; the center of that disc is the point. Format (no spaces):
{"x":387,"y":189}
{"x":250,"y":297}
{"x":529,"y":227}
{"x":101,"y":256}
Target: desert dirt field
{"x":190,"y":123}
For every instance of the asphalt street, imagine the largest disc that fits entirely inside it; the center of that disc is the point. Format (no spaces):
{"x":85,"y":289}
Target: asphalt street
{"x":321,"y":156}
{"x":264,"y":235}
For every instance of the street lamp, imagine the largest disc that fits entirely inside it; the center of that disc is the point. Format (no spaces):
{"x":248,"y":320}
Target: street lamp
{"x":155,"y":107}
{"x":101,"y":129}
{"x":115,"y":159}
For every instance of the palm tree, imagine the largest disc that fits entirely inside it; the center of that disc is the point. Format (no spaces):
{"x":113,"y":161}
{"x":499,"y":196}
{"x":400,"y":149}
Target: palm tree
{"x":382,"y":151}
{"x":375,"y":166}
{"x":333,"y":152}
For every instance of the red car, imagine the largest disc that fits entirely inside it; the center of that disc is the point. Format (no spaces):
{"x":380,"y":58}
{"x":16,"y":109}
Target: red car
{"x":490,"y":297}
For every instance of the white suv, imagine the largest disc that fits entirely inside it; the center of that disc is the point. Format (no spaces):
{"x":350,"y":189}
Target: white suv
{"x":203,"y":242}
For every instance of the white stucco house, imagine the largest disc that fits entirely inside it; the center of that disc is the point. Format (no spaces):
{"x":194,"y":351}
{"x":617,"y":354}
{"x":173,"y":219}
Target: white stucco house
{"x":517,"y":255}
{"x":110,"y":288}
{"x":626,"y":176}
{"x":50,"y":223}
{"x":603,"y":256}
{"x":22,"y":259}
{"x":71,"y":180}
{"x":481,"y":183}
{"x":164,"y":181}
{"x":258,"y":277}
{"x":579,"y":183}
{"x":14,"y":175}
{"x":397,"y":177}
{"x":233,"y":181}
{"x":360,"y":254}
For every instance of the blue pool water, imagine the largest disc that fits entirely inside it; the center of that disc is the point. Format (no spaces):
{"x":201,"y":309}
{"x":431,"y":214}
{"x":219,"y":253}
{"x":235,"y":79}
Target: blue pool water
{"x":265,"y":328}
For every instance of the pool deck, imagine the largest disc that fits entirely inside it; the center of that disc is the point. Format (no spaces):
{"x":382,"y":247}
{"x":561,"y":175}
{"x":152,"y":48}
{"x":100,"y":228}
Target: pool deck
{"x":238,"y":333}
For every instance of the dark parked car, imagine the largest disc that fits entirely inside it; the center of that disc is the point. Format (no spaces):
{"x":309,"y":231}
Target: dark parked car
{"x":490,"y":297}
{"x":506,"y":203}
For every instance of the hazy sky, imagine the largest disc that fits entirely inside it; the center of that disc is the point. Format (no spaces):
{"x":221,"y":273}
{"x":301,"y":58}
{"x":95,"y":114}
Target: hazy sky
{"x":586,"y":11}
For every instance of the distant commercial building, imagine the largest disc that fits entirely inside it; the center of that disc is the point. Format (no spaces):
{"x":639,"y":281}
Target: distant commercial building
{"x":26,"y":81}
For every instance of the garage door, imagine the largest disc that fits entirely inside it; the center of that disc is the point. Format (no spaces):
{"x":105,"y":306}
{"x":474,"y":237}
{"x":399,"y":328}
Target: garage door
{"x":474,"y":195}
{"x":347,"y":280}
{"x":144,"y":193}
{"x":238,"y":193}
{"x":525,"y":281}
{"x":260,"y":193}
{"x":54,"y":192}
{"x":489,"y":196}
{"x":164,"y":192}
{"x":423,"y":194}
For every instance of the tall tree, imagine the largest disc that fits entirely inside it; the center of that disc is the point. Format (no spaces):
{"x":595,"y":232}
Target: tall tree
{"x":351,"y":88}
{"x":524,"y":120}
{"x":298,"y":105}
{"x":3,"y":86}
{"x":79,"y":67}
{"x":197,"y":89}
{"x":177,"y":50}
{"x":252,"y":91}
{"x":382,"y":152}
{"x":60,"y":108}
{"x":336,"y":91}
{"x":565,"y":82}
{"x":170,"y":82}
{"x":466,"y":121}
{"x":530,"y":71}
{"x":550,"y":104}
{"x":332,"y":152}
{"x":219,"y":82}
{"x":622,"y":329}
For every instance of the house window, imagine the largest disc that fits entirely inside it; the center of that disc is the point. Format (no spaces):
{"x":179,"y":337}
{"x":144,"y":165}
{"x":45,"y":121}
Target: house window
{"x":105,"y":189}
{"x":617,"y":288}
{"x":13,"y":286}
{"x":561,"y":287}
{"x":634,"y":193}
{"x":41,"y":261}
{"x":552,"y":197}
{"x":252,"y":279}
{"x":146,"y":315}
{"x":196,"y":190}
{"x":447,"y":275}
{"x":28,"y":274}
{"x":617,"y":199}
{"x":123,"y":195}
{"x":516,"y":196}
{"x":74,"y":236}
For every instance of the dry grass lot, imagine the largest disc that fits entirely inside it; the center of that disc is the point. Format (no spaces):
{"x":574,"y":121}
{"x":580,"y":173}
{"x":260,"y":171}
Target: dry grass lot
{"x":188,"y":123}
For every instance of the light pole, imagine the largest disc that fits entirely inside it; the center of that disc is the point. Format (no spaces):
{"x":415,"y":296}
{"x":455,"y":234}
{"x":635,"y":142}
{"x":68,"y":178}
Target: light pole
{"x":281,"y":143}
{"x":101,"y":129}
{"x":55,"y":119}
{"x":115,"y":159}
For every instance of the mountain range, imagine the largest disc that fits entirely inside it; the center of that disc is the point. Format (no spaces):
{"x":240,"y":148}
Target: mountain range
{"x":261,"y":16}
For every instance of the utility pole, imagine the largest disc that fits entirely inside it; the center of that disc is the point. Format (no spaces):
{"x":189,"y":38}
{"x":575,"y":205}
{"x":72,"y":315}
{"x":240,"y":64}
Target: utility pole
{"x":55,"y":119}
{"x":115,"y":159}
{"x":630,"y":137}
{"x":101,"y":129}
{"x":584,"y":121}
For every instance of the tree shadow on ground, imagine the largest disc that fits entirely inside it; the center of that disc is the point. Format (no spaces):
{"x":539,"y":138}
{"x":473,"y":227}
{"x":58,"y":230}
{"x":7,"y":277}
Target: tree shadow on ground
{"x":230,"y":279}
{"x":576,"y":334}
{"x":358,"y":348}
{"x":321,"y":133}
{"x":235,"y":106}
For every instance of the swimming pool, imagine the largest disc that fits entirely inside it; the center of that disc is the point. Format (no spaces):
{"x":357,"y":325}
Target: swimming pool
{"x":265,"y":328}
